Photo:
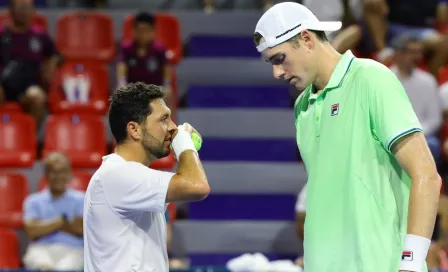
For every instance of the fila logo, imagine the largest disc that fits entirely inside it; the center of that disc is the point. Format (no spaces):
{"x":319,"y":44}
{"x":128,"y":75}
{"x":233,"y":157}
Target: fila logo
{"x":407,"y":256}
{"x":334,"y":109}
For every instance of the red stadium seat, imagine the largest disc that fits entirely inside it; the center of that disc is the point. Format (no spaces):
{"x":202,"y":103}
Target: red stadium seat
{"x":9,"y":249}
{"x":17,"y":140}
{"x":86,"y":36}
{"x":96,"y":74}
{"x":81,"y":137}
{"x":39,"y":20}
{"x":80,"y":181}
{"x":167,"y":33}
{"x":443,"y":75}
{"x":13,"y":191}
{"x":10,"y":107}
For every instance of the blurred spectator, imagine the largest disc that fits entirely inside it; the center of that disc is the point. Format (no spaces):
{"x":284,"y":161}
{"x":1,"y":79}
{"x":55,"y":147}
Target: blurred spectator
{"x":437,"y":259}
{"x":347,"y":11}
{"x":143,"y":59}
{"x":53,"y":220}
{"x":444,"y":95}
{"x":267,"y":4}
{"x":209,"y":6}
{"x":421,"y":88}
{"x":300,"y":218}
{"x":26,"y":51}
{"x":416,"y":17}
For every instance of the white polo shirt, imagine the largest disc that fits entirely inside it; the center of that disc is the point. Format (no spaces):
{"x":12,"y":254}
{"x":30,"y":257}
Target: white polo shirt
{"x":124,"y":222}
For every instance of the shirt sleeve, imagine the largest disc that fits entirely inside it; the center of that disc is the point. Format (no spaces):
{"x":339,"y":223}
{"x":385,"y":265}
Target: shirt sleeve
{"x":49,"y":49}
{"x":301,"y":200}
{"x":390,"y":111}
{"x":30,"y":210}
{"x":133,"y":187}
{"x":122,"y":56}
{"x":80,"y":206}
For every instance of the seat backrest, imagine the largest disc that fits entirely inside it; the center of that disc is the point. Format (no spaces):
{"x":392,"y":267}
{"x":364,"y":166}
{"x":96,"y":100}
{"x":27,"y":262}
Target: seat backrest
{"x":17,"y":132}
{"x":75,"y":133}
{"x":80,"y":181}
{"x":9,"y":249}
{"x":39,"y":20}
{"x":13,"y":191}
{"x":167,"y":33}
{"x":96,"y":73}
{"x":88,"y":33}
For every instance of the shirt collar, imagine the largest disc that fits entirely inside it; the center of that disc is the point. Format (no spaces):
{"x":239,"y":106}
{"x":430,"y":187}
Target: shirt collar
{"x":338,"y":74}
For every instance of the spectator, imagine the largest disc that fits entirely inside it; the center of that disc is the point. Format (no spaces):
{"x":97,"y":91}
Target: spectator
{"x":350,"y":13}
{"x":300,"y":218}
{"x":417,"y":17}
{"x":143,"y":59}
{"x":421,"y":88}
{"x":25,"y":52}
{"x":53,"y":221}
{"x":209,"y":6}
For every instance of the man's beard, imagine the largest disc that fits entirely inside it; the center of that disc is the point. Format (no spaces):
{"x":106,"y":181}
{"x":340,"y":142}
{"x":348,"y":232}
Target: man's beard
{"x":153,"y":147}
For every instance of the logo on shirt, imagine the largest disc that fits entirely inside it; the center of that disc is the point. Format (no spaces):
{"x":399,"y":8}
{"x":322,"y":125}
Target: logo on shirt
{"x":152,"y":65}
{"x":35,"y":45}
{"x":407,"y":256}
{"x":334,"y":109}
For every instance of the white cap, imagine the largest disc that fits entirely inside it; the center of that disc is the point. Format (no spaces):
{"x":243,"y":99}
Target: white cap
{"x":285,"y":20}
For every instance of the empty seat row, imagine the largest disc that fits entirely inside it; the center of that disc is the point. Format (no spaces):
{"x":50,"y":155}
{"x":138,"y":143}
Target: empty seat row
{"x":81,"y":137}
{"x":89,"y":36}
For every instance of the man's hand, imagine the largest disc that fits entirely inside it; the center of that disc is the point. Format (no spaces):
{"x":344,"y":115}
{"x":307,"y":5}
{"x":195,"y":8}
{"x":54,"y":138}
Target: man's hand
{"x":74,"y":227}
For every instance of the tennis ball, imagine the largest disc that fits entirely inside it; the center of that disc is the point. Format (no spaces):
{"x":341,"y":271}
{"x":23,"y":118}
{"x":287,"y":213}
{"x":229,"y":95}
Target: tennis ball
{"x":197,"y":140}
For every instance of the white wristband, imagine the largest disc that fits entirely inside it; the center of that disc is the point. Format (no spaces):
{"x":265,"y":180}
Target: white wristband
{"x":182,"y":142}
{"x":415,"y":250}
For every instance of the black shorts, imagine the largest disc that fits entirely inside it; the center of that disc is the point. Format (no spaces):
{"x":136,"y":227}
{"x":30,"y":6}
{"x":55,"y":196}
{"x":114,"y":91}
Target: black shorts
{"x":14,"y":93}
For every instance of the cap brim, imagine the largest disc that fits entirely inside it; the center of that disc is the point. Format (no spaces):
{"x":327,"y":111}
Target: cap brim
{"x":327,"y":26}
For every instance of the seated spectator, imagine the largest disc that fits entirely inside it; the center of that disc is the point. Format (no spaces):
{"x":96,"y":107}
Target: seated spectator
{"x":143,"y":59}
{"x":437,"y":259}
{"x":351,"y":35}
{"x":25,"y":52}
{"x":417,"y":17}
{"x":300,"y":219}
{"x":421,"y":88}
{"x":209,"y":6}
{"x":53,"y":221}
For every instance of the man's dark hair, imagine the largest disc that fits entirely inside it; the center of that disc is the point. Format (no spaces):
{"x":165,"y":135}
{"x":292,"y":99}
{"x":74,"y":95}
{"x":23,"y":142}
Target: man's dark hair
{"x":321,"y":36}
{"x":144,"y":17}
{"x":131,"y":103}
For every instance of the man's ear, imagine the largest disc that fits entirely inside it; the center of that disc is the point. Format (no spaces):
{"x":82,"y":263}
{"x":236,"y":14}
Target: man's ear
{"x":134,"y":130}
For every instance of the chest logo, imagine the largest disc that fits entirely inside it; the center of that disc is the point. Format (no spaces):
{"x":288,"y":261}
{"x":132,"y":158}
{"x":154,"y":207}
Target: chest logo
{"x":334,"y":109}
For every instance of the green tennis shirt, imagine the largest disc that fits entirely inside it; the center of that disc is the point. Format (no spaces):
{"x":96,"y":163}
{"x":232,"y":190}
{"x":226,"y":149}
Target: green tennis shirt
{"x":357,"y":193}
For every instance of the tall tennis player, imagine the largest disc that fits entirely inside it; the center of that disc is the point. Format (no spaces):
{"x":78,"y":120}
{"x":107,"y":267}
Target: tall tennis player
{"x":373,"y":187}
{"x":124,"y":221}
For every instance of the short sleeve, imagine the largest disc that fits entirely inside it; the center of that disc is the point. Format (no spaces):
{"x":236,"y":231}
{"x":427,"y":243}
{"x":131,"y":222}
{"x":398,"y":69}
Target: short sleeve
{"x":49,"y":49}
{"x":80,"y":206}
{"x":133,"y":187}
{"x":122,"y":53}
{"x":301,"y":200}
{"x":390,"y":111}
{"x":30,"y":210}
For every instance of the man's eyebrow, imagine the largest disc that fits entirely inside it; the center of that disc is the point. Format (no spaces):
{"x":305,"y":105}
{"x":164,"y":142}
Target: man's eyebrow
{"x":272,"y":57}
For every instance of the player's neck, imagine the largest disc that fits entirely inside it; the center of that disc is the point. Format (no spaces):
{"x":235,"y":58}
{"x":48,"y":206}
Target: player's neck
{"x":133,"y":152}
{"x":328,"y":58}
{"x":19,"y":28}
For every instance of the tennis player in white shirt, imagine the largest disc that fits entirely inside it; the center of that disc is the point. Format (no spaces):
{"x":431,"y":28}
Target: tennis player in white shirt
{"x":124,"y":223}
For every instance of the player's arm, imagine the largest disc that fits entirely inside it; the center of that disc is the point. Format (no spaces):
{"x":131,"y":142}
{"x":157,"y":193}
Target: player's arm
{"x":190,"y":181}
{"x":395,"y":125}
{"x":51,"y":59}
{"x":36,"y":228}
{"x":414,"y":156}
